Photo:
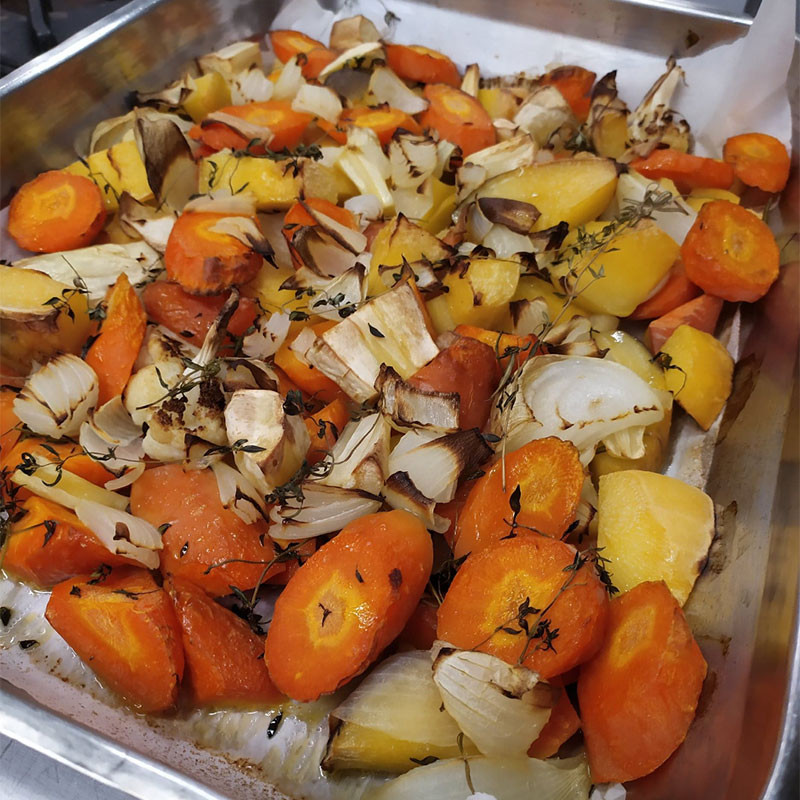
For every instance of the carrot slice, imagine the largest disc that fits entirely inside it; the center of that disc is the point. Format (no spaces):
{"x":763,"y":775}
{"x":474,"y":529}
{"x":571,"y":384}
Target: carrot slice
{"x":324,"y":428}
{"x":511,"y":578}
{"x":413,"y":62}
{"x":468,"y":367}
{"x":113,"y":354}
{"x":687,"y":171}
{"x":420,"y":630}
{"x":122,"y":624}
{"x":675,"y":292}
{"x":56,"y":211}
{"x":9,"y":424}
{"x":701,"y":313}
{"x":287,"y":44}
{"x":71,"y":456}
{"x":452,"y":511}
{"x":190,"y":315}
{"x":758,"y":160}
{"x":224,"y":657}
{"x":638,"y":695}
{"x":545,"y":476}
{"x":306,"y":376}
{"x":575,"y":84}
{"x":563,"y":723}
{"x":203,"y":261}
{"x":50,"y":544}
{"x":730,"y":253}
{"x":286,"y":125}
{"x":505,"y":345}
{"x":384,"y":120}
{"x":458,"y":117}
{"x":202,"y":532}
{"x":347,"y":603}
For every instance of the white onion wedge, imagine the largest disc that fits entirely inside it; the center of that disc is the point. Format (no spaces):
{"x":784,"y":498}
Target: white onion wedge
{"x":318,"y":101}
{"x":360,"y":456}
{"x":289,"y":81}
{"x":410,"y":407}
{"x":238,"y":494}
{"x":389,"y":88}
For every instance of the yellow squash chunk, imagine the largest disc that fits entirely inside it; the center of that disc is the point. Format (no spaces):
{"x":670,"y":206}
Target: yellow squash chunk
{"x":210,"y":93}
{"x":575,"y":190}
{"x":480,"y":295}
{"x":98,"y":168}
{"x":652,"y":527}
{"x":39,"y":317}
{"x":272,"y":182}
{"x":616,"y":281}
{"x":125,"y":158}
{"x":702,"y":374}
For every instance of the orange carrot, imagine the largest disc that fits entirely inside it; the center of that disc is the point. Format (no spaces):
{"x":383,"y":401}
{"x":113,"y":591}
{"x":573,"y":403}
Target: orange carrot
{"x":452,"y":511}
{"x":758,"y":160}
{"x":458,"y":117}
{"x":224,"y":657}
{"x":56,"y":211}
{"x":113,"y":354}
{"x":203,"y":261}
{"x":297,"y":217}
{"x":546,"y":477}
{"x":287,"y":44}
{"x":575,"y":84}
{"x":687,"y":171}
{"x":421,"y":64}
{"x":286,"y":125}
{"x":730,"y":253}
{"x":347,"y":603}
{"x":190,"y":315}
{"x":677,"y":290}
{"x":304,"y":549}
{"x":122,"y":624}
{"x":50,"y":544}
{"x":468,"y":367}
{"x":420,"y":630}
{"x":504,"y":345}
{"x":306,"y":376}
{"x":505,"y":582}
{"x":324,"y":428}
{"x":563,"y":723}
{"x":71,"y":455}
{"x":9,"y":423}
{"x":701,"y":313}
{"x":202,"y":532}
{"x":384,"y":120}
{"x":638,"y":695}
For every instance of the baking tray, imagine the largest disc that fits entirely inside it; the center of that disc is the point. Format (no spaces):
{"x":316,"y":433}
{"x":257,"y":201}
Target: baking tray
{"x":744,"y":610}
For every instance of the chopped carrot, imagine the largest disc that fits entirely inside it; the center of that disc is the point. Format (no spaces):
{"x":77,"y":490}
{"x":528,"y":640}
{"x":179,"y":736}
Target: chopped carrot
{"x":56,"y":211}
{"x":203,"y":150}
{"x":469,"y":368}
{"x":306,"y":376}
{"x":687,"y":171}
{"x":287,"y":44}
{"x":384,"y":120}
{"x":204,"y":261}
{"x":122,"y":624}
{"x":677,"y":290}
{"x":458,"y":117}
{"x":701,"y":313}
{"x":114,"y":352}
{"x":452,"y":511}
{"x":544,"y":476}
{"x":285,"y":124}
{"x":563,"y":723}
{"x":420,"y":630}
{"x":421,"y":64}
{"x":71,"y":455}
{"x":10,"y":430}
{"x":304,"y":550}
{"x":324,"y":428}
{"x":575,"y":84}
{"x":730,"y":253}
{"x":224,"y":657}
{"x":506,"y":583}
{"x":50,"y":544}
{"x":190,"y":315}
{"x":201,"y":532}
{"x":758,"y":160}
{"x":638,"y":695}
{"x":505,"y":345}
{"x":347,"y":603}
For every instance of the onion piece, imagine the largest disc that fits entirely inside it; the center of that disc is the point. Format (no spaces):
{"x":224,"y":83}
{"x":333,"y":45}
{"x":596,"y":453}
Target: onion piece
{"x":505,"y":242}
{"x":289,"y":81}
{"x":334,"y":297}
{"x":352,"y":31}
{"x":529,"y":317}
{"x":251,"y":86}
{"x":363,"y":161}
{"x":502,"y":708}
{"x":223,"y":201}
{"x":354,"y":241}
{"x":471,"y":81}
{"x":543,"y":113}
{"x":245,"y":230}
{"x":119,"y":129}
{"x":318,"y":101}
{"x":413,"y":158}
{"x":410,"y":407}
{"x":232,"y":59}
{"x":400,"y":492}
{"x":360,"y":456}
{"x":358,"y":53}
{"x":171,"y":96}
{"x":121,"y":533}
{"x":57,"y":399}
{"x":238,"y":494}
{"x":367,"y":207}
{"x":272,"y":227}
{"x":139,"y":220}
{"x":111,"y":437}
{"x":268,"y":336}
{"x":389,"y":88}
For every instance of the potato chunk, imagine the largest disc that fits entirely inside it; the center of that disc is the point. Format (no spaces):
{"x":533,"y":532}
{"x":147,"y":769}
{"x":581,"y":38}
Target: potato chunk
{"x":480,"y":295}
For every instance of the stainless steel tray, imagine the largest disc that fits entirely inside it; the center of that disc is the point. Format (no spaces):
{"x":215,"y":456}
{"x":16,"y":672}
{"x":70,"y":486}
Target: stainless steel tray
{"x":744,"y":610}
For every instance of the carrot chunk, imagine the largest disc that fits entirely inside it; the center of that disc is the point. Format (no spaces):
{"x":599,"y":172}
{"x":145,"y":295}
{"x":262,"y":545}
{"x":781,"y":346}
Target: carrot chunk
{"x":224,"y":658}
{"x":420,"y":630}
{"x":347,"y":603}
{"x":384,"y":120}
{"x":639,"y":694}
{"x":122,"y":624}
{"x":701,"y":313}
{"x":687,"y":171}
{"x":505,"y":345}
{"x":563,"y":723}
{"x":758,"y":160}
{"x":113,"y":354}
{"x":56,"y":211}
{"x":201,"y":532}
{"x":458,"y":117}
{"x":324,"y":428}
{"x":730,"y":253}
{"x":544,"y":477}
{"x":50,"y":544}
{"x":575,"y":84}
{"x":421,"y":64}
{"x":287,"y":44}
{"x":468,"y":367}
{"x":677,"y":290}
{"x":204,"y":261}
{"x":536,"y":580}
{"x":306,"y":376}
{"x":9,"y":423}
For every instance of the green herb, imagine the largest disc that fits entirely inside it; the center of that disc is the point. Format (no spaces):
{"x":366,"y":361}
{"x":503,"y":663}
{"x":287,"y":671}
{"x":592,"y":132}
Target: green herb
{"x":26,"y":644}
{"x":423,"y":762}
{"x":75,"y":591}
{"x":5,"y":615}
{"x":49,"y":530}
{"x":374,"y":331}
{"x":274,"y":725}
